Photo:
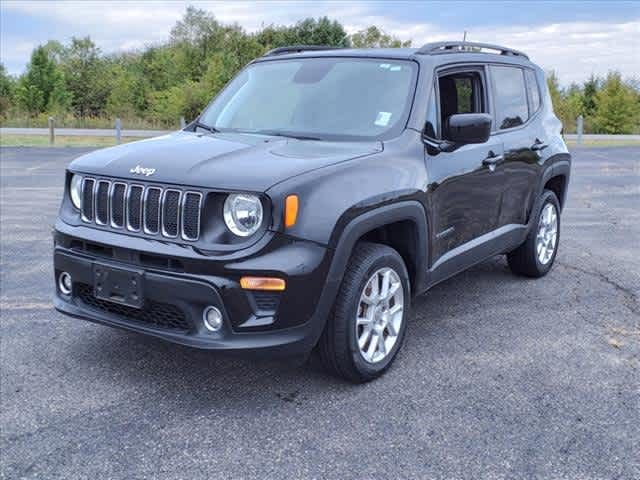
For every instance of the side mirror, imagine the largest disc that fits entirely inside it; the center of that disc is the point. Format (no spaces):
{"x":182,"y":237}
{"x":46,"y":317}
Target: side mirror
{"x":464,"y":128}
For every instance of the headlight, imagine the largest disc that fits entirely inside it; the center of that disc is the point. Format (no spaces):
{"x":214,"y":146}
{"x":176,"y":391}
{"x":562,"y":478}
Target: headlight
{"x":75,"y":190}
{"x":243,"y":213}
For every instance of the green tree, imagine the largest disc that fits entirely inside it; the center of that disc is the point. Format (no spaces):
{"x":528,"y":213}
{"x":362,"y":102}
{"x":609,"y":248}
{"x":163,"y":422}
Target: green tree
{"x":42,"y":87}
{"x":310,"y":31}
{"x":590,"y":91}
{"x":167,"y":106}
{"x":6,"y":91}
{"x":122,"y":96}
{"x":195,"y":38}
{"x":164,"y":66}
{"x":85,"y":74}
{"x":373,"y":37}
{"x":41,"y":73}
{"x":572,"y":106}
{"x":320,"y":31}
{"x":60,"y":98}
{"x":566,"y":103}
{"x":555,"y":92}
{"x":29,"y":98}
{"x":617,"y":106}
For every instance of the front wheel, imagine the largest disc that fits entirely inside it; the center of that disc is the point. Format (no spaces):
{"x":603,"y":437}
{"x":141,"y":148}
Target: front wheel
{"x":536,"y":255}
{"x":367,"y":327}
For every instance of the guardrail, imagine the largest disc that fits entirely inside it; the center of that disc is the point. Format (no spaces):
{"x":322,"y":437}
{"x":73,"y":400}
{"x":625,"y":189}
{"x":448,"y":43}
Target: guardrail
{"x":601,"y":136}
{"x":119,"y":133}
{"x":83,"y":132}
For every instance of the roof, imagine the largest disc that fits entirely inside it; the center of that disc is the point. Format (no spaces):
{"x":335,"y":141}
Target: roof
{"x":440,"y":52}
{"x":400,"y":53}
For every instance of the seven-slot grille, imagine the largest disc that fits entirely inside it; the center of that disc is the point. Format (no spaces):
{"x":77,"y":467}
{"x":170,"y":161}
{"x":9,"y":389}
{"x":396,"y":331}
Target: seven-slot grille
{"x":150,"y":209}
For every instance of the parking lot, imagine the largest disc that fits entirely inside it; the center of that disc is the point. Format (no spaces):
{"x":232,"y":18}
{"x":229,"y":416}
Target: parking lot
{"x":500,"y":376}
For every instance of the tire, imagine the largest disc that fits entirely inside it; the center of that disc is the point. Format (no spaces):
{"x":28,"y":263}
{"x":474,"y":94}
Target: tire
{"x":338,"y":346}
{"x":526,"y":259}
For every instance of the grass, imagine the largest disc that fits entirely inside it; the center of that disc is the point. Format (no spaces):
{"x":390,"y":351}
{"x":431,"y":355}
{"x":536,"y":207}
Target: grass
{"x":61,"y":141}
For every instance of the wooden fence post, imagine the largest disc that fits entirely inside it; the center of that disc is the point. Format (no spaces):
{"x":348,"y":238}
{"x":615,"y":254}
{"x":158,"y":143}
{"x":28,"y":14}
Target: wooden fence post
{"x":52,"y":136}
{"x":118,"y":130}
{"x":579,"y":129}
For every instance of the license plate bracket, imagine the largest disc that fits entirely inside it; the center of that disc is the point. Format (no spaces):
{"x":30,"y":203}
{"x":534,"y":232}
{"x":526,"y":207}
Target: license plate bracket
{"x":118,"y":285}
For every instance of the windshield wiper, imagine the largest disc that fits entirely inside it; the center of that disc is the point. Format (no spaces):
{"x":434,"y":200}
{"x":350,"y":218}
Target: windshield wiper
{"x":280,"y":133}
{"x":198,"y":123}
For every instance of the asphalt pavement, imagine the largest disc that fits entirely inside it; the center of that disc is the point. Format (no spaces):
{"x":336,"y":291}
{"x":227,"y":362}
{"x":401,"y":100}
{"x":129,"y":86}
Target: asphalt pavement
{"x":500,"y":376}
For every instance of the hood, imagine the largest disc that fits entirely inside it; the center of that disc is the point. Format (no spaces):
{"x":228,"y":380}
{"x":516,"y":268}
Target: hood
{"x":225,"y":161}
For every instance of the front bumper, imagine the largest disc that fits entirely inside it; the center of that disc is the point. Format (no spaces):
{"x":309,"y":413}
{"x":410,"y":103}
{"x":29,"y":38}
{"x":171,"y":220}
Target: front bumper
{"x":177,"y":288}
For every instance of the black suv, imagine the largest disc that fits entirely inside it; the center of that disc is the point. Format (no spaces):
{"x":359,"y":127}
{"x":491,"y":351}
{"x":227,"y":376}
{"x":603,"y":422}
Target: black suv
{"x":313,"y":198}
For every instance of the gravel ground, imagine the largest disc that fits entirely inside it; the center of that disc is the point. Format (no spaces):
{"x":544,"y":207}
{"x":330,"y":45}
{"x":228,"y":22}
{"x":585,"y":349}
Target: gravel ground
{"x":500,"y":377}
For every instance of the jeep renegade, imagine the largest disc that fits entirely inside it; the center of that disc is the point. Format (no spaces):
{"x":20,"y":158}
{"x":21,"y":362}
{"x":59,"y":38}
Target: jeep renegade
{"x":317,"y":194}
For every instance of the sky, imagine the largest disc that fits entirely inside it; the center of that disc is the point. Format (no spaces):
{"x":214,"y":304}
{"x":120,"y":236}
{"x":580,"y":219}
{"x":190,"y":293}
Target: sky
{"x":573,"y":38}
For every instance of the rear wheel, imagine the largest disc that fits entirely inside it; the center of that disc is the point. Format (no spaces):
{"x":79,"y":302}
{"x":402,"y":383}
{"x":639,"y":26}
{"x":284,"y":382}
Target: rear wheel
{"x":367,"y":327}
{"x":536,"y":255}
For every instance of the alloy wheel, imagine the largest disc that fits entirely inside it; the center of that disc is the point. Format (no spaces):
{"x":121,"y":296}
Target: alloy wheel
{"x":380,"y":315}
{"x":547,"y":236}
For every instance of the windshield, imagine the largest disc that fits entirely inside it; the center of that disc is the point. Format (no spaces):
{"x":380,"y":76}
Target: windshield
{"x":326,"y":98}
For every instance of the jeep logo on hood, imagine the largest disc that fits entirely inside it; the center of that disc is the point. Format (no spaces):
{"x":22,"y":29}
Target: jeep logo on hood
{"x":139,"y":170}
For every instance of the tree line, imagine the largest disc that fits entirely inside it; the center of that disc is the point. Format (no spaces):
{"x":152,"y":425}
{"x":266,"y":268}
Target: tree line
{"x":608,"y":105}
{"x":81,"y":86}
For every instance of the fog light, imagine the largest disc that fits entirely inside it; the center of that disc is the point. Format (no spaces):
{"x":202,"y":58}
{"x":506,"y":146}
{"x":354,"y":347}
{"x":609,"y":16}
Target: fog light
{"x":212,"y":318}
{"x":64,"y":283}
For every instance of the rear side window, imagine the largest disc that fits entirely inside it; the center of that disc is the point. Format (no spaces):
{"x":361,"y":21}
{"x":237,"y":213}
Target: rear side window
{"x":510,"y":97}
{"x":532,"y":89}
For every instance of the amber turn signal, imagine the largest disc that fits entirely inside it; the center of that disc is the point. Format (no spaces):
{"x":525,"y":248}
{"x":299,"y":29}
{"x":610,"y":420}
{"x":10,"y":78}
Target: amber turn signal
{"x":290,"y":211}
{"x":263,"y":283}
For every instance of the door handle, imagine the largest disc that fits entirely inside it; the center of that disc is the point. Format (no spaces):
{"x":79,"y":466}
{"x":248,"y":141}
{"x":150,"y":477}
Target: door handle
{"x":491,"y":159}
{"x":538,"y":145}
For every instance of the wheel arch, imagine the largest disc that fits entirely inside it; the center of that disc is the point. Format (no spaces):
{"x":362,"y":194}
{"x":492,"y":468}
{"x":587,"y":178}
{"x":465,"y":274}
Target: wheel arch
{"x":554,"y":177}
{"x":558,"y":181}
{"x":402,"y":226}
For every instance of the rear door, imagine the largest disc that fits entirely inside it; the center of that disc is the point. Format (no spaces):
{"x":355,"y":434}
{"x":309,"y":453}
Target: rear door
{"x":464,"y":185}
{"x":516,"y":101}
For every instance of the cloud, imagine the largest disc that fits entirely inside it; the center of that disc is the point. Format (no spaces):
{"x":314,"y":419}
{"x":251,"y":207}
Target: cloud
{"x":573,"y":49}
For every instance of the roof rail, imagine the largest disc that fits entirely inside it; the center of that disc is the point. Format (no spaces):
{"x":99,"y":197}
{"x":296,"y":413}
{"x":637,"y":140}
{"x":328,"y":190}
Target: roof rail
{"x":298,"y":49}
{"x":466,"y":47}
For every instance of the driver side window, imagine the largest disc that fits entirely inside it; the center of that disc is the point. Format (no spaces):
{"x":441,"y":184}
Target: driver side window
{"x":459,"y":92}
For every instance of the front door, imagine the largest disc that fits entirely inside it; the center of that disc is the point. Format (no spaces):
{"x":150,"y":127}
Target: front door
{"x":465,"y":186}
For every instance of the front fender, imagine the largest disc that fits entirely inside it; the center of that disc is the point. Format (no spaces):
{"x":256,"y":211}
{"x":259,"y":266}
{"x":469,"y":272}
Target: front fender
{"x":347,"y":236}
{"x":332,"y":196}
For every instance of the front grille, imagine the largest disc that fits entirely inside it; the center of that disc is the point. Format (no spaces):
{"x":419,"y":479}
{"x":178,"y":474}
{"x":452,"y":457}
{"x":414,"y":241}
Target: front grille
{"x":171,"y":212}
{"x":87,"y":199}
{"x":134,"y":208}
{"x":150,"y":209}
{"x":157,"y":314}
{"x":102,"y":202}
{"x":191,"y":215}
{"x":117,"y":204}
